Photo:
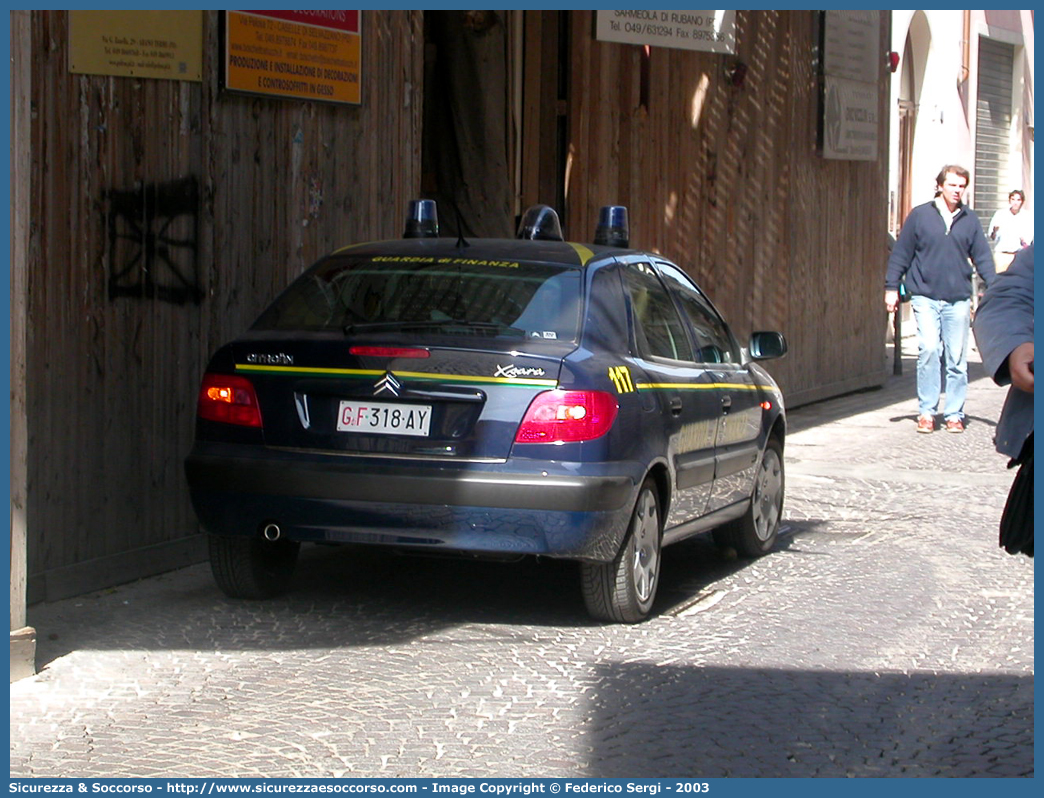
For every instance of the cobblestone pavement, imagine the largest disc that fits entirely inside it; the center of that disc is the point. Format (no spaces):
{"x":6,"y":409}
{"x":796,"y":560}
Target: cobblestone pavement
{"x":887,"y":635}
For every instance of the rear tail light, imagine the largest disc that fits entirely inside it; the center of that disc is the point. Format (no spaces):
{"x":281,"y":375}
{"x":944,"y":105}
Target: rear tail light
{"x":567,"y":417}
{"x":228,"y":399}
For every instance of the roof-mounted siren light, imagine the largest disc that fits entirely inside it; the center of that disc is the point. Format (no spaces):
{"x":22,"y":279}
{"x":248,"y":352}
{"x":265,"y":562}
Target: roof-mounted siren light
{"x":540,"y":223}
{"x":612,"y":230}
{"x":422,"y":220}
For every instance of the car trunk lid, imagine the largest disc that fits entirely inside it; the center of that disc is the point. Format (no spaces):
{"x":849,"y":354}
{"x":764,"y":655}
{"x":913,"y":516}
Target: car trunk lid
{"x":441,"y":401}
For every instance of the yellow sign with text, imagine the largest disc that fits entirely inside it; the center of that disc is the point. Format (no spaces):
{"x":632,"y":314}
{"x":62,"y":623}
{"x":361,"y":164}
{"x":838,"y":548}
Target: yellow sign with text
{"x":304,"y":55}
{"x":137,"y":44}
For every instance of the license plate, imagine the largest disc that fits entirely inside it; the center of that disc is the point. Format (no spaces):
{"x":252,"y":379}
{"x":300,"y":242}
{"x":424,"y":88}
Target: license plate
{"x":384,"y":418}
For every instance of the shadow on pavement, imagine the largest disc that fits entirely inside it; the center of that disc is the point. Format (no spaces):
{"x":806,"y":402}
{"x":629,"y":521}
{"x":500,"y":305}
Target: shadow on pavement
{"x":657,"y":721}
{"x":350,"y":596}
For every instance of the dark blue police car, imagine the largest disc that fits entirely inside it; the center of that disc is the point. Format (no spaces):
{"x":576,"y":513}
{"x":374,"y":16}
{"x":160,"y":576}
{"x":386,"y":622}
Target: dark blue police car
{"x":525,"y":396}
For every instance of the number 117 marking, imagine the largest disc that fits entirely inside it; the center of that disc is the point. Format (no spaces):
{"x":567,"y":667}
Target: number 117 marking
{"x":621,"y":377}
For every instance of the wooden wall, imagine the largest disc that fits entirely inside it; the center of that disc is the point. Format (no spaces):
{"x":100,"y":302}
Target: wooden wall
{"x":726,"y":180}
{"x":246,"y":192}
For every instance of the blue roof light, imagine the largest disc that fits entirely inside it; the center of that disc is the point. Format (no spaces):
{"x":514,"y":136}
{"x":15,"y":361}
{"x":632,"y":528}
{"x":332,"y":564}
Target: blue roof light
{"x":612,"y":230}
{"x":422,"y":220}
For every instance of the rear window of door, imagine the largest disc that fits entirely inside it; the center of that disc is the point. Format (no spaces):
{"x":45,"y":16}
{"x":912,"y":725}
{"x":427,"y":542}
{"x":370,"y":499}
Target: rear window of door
{"x":714,"y":342}
{"x":659,"y":331}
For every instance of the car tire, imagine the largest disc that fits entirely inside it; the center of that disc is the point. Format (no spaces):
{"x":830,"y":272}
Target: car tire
{"x":756,"y":531}
{"x":252,"y":568}
{"x":623,"y":590}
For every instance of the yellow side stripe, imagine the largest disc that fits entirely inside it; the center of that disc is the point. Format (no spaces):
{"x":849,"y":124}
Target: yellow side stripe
{"x":468,"y":378}
{"x":702,"y":386}
{"x":303,"y":370}
{"x":419,"y":375}
{"x":415,"y":375}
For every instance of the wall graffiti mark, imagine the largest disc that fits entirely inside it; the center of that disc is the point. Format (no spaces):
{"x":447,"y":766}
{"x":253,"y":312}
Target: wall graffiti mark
{"x":154,"y":242}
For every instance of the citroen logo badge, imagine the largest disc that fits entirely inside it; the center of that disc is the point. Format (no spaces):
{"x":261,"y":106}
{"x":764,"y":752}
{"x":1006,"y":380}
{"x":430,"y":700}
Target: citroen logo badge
{"x":387,"y":385}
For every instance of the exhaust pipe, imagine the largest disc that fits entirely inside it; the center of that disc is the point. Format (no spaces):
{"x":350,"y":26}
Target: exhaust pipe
{"x":271,"y":532}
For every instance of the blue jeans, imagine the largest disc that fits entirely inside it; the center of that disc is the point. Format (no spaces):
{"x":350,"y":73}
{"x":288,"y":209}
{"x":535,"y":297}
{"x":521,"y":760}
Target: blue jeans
{"x":942,"y":329}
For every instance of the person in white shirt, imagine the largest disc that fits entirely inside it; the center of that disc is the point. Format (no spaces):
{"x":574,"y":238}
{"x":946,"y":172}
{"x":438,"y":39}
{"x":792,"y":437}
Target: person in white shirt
{"x":1010,"y":230}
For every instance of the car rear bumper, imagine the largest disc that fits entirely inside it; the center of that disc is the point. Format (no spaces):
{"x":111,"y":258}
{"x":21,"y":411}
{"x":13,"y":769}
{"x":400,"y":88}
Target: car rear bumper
{"x":470,"y":507}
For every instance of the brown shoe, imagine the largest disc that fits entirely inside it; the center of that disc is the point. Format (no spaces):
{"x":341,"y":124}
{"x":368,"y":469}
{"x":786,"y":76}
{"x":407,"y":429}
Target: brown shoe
{"x":956,"y":425}
{"x":925,"y":424}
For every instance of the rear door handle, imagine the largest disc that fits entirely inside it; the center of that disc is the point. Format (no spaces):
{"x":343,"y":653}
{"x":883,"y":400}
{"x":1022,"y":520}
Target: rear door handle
{"x":676,"y":405}
{"x":726,"y":403}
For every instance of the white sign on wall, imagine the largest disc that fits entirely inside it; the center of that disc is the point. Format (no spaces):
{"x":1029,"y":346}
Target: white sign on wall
{"x":852,"y":62}
{"x":850,"y":120}
{"x":709,"y":31}
{"x":852,"y":45}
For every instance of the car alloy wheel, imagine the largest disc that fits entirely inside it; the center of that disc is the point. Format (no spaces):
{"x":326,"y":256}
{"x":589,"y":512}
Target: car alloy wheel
{"x":767,"y":502}
{"x":755,"y":532}
{"x":645,"y":554}
{"x":623,"y":590}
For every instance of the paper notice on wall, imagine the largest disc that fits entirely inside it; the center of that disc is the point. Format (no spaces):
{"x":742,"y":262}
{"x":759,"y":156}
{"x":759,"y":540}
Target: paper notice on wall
{"x":709,"y":31}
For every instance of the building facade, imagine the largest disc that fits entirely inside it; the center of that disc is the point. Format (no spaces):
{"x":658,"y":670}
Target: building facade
{"x":962,"y":93}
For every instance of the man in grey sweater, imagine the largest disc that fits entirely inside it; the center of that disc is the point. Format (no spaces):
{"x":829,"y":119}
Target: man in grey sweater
{"x":932,"y":253}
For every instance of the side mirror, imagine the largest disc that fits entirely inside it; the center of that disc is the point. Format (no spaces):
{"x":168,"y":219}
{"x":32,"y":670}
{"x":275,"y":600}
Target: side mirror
{"x":767,"y":345}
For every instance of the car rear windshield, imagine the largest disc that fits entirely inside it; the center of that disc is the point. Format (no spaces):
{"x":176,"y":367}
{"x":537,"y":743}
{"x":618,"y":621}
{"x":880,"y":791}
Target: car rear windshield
{"x":447,"y":296}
